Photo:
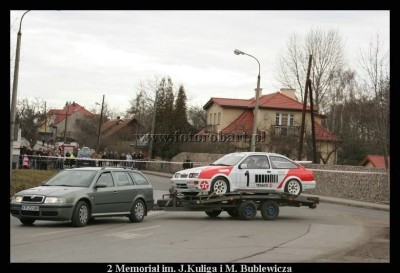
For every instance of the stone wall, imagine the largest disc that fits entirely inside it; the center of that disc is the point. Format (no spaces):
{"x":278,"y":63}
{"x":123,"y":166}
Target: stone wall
{"x":349,"y":182}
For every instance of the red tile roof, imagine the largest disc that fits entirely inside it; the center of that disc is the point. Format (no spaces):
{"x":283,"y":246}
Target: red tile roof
{"x":73,"y":107}
{"x":237,"y":103}
{"x":378,"y":161}
{"x":275,"y":100}
{"x":322,"y":134}
{"x":113,"y":126}
{"x":244,"y":123}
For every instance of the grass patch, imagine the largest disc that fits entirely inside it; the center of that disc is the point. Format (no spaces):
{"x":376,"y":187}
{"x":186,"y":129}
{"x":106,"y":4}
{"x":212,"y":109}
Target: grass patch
{"x":22,"y":179}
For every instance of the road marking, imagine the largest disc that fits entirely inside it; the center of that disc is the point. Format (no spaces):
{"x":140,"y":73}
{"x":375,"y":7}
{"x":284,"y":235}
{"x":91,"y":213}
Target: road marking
{"x":131,"y":234}
{"x":52,"y":232}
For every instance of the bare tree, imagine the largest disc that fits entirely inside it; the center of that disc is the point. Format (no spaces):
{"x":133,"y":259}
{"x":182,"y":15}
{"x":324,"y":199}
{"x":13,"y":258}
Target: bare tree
{"x":197,"y":118}
{"x":374,"y":62}
{"x":326,"y":47}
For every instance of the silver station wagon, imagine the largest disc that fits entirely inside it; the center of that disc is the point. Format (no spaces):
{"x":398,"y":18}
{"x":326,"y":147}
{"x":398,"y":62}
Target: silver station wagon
{"x":78,"y":195}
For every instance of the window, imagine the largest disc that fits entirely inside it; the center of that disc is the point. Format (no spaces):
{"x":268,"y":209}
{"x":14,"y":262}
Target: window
{"x":139,"y":179}
{"x":215,"y":118}
{"x":122,"y":179}
{"x":256,"y":162}
{"x":219,"y":118}
{"x":278,"y":162}
{"x":210,"y":122}
{"x":107,"y":179}
{"x":284,"y":119}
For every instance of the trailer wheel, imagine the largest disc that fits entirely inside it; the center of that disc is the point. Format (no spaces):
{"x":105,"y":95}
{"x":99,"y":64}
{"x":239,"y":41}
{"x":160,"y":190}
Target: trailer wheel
{"x":247,"y":210}
{"x":233,"y":213}
{"x":219,"y":185}
{"x":293,"y":187}
{"x":213,"y":213}
{"x":269,"y":210}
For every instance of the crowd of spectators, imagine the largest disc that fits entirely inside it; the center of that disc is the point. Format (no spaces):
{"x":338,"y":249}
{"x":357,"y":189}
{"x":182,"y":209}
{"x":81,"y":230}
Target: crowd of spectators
{"x":53,"y":158}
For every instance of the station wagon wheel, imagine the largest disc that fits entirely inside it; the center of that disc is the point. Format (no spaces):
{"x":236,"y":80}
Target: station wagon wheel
{"x":247,"y":210}
{"x":293,"y":187}
{"x":138,"y":211}
{"x":27,"y":221}
{"x":269,"y":210}
{"x":219,"y":186}
{"x":80,"y":216}
{"x":213,"y":213}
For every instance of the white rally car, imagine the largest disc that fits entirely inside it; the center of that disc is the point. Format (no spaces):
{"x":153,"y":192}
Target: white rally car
{"x":258,"y":171}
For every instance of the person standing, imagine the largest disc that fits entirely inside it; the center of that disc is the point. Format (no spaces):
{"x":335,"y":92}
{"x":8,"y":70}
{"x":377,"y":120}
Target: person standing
{"x":187,"y":164}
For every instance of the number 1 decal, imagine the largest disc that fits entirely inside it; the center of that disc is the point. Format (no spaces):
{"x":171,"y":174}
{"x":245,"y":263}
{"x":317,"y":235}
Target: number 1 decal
{"x":248,"y":177}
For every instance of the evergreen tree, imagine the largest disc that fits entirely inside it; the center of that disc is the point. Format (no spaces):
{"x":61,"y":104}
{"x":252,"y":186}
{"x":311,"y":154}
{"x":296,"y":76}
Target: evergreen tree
{"x":180,"y":112}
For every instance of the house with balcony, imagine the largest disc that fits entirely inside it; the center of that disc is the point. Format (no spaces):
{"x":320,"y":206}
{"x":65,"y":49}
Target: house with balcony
{"x":278,"y":128}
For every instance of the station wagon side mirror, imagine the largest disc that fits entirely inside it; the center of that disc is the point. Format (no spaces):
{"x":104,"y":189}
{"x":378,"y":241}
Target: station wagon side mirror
{"x":243,"y":166}
{"x":101,"y":185}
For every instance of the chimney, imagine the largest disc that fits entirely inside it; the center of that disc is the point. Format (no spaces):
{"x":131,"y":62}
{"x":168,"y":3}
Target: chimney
{"x":291,"y":93}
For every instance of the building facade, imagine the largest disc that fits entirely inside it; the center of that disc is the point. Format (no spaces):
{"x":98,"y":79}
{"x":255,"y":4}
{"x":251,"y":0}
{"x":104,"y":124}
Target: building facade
{"x":278,"y":128}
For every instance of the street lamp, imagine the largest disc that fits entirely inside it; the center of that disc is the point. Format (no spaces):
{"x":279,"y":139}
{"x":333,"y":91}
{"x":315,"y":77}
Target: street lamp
{"x":15,"y":89}
{"x":258,"y":89}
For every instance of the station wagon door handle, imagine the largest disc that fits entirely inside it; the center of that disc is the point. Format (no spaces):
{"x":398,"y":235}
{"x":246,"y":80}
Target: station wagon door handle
{"x":268,"y":171}
{"x":115,"y":192}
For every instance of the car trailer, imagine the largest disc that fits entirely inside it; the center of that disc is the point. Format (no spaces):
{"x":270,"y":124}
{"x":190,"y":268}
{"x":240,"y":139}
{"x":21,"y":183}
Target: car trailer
{"x":240,"y":204}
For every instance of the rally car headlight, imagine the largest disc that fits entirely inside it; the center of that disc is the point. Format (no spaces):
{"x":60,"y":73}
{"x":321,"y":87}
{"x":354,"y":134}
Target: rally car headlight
{"x":176,"y":175}
{"x":54,"y":200}
{"x":193,"y":175}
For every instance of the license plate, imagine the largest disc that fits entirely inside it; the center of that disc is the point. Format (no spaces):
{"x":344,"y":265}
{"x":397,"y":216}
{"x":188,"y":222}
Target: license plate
{"x":31,"y":208}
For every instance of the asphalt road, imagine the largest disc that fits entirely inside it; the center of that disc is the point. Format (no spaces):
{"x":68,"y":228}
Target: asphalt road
{"x":329,"y":233}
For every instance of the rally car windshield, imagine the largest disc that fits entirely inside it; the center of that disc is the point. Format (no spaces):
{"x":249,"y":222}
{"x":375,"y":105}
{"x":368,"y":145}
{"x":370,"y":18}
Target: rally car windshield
{"x":228,"y":160}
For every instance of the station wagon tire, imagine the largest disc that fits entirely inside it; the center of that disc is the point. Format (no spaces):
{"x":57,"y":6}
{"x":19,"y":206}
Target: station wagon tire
{"x":233,"y":213}
{"x":219,"y":186}
{"x":27,"y":221}
{"x":138,"y":211}
{"x":81,"y":214}
{"x":213,"y":213}
{"x":247,"y":210}
{"x":269,"y":210}
{"x":293,"y":187}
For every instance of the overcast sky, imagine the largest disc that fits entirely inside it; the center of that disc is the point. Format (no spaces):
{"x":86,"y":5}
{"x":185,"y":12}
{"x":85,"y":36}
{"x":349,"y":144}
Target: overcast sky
{"x":80,"y":55}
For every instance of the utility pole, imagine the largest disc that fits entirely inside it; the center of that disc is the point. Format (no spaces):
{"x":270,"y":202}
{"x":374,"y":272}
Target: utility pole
{"x":101,"y":118}
{"x":303,"y":117}
{"x":65,"y":127}
{"x":153,"y":125}
{"x":314,"y":144}
{"x":45,"y":124}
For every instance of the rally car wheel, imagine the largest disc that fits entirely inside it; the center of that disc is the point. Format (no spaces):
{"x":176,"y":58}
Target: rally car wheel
{"x":293,"y":187}
{"x":219,"y":186}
